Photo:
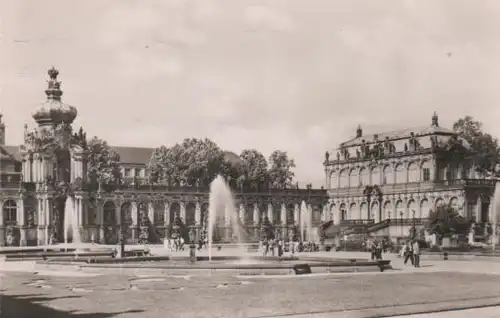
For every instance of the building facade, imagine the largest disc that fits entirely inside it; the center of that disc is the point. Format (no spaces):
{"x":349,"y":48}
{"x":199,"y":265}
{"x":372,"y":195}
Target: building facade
{"x":38,"y":177}
{"x":389,"y":182}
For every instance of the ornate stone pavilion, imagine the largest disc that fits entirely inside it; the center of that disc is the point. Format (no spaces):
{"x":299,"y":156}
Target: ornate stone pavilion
{"x":389,"y":181}
{"x":36,"y":180}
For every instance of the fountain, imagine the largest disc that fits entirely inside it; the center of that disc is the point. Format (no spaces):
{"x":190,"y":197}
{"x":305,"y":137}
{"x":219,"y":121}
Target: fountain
{"x":221,"y":203}
{"x":71,"y":223}
{"x":304,"y":222}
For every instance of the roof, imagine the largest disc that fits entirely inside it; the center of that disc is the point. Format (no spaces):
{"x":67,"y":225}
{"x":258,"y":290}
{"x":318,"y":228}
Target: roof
{"x":399,"y":134}
{"x":11,"y":151}
{"x":142,"y":155}
{"x":128,"y":155}
{"x":134,"y":155}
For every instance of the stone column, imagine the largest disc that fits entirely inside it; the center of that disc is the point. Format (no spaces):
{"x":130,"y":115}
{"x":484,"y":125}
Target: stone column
{"x":197,"y":218}
{"x":166,"y":216}
{"x":296,"y":214}
{"x":40,"y":222}
{"x":256,"y":217}
{"x":166,"y":213}
{"x":270,"y":212}
{"x":478,"y":210}
{"x":2,"y":225}
{"x":183,"y":212}
{"x":22,"y":222}
{"x":100,"y":217}
{"x":151,"y":212}
{"x":135,"y":216}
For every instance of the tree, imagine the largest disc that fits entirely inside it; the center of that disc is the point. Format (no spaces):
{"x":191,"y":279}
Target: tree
{"x":445,"y":220}
{"x":194,"y":162}
{"x":484,"y":147}
{"x":103,"y":164}
{"x":280,"y":170}
{"x":255,"y":171}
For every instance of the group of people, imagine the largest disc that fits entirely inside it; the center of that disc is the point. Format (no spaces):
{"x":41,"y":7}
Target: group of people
{"x":175,"y":244}
{"x":376,"y":250}
{"x":411,"y":251}
{"x":272,"y":246}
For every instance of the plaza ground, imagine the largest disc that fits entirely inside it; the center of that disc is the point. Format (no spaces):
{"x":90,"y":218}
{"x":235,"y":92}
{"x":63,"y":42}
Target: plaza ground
{"x":438,"y":285}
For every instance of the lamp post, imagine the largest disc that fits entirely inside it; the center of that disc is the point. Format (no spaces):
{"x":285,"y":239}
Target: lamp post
{"x":121,"y":237}
{"x":192,"y":245}
{"x":414,"y":226}
{"x":401,"y":215}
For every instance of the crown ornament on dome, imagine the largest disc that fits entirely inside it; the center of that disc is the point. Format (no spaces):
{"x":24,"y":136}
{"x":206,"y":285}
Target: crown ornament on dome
{"x":53,"y":91}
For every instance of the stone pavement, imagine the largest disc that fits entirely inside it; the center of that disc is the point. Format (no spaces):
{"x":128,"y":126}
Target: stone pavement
{"x":486,"y":312}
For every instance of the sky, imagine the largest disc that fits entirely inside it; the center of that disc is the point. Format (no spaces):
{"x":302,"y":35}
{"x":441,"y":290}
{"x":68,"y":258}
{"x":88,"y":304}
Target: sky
{"x":294,"y":75}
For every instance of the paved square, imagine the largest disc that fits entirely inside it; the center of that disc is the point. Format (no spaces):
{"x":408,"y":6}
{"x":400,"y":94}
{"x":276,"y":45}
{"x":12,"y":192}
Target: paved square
{"x":220,"y":295}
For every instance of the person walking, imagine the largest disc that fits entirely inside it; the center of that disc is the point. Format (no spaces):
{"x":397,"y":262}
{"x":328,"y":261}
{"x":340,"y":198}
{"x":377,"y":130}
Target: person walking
{"x":416,"y":253}
{"x":408,"y":253}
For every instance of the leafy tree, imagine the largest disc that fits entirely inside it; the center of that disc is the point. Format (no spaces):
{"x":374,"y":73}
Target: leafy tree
{"x":103,"y":163}
{"x":194,"y":162}
{"x":280,"y":170}
{"x":484,"y":147}
{"x":255,"y":171}
{"x":445,"y":220}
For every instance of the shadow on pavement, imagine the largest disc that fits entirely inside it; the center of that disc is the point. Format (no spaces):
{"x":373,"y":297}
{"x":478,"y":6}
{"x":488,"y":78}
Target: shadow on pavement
{"x":28,"y":306}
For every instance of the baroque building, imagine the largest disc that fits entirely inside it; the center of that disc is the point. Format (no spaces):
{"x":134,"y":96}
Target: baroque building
{"x":387,"y":183}
{"x":38,"y":177}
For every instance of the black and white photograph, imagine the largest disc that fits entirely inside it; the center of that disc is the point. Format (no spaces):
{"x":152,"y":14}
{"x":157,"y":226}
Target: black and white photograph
{"x":249,"y":158}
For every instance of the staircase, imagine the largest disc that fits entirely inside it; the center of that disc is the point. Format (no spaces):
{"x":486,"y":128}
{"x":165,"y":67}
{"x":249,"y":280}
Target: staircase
{"x":378,"y":226}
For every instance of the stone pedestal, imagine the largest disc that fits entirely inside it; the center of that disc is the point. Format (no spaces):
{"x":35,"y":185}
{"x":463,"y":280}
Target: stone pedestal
{"x":2,"y":235}
{"x":102,"y":235}
{"x":23,"y":236}
{"x":40,"y":235}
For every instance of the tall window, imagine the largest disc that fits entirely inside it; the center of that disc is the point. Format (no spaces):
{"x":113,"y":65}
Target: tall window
{"x":426,"y":174}
{"x":10,"y":212}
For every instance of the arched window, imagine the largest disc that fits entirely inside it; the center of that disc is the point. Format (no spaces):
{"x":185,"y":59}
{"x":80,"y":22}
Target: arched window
{"x":159,"y":215}
{"x":399,"y":209}
{"x":363,"y":211}
{"x":412,"y":210}
{"x":425,"y":208}
{"x":109,"y":211}
{"x":375,"y":175}
{"x":10,"y":212}
{"x":388,"y":176}
{"x":344,"y":179}
{"x":353,"y":211}
{"x":413,"y":172}
{"x":175,"y":211}
{"x":364,"y":176}
{"x":399,"y":172}
{"x":425,"y":170}
{"x":249,"y":214}
{"x":126,"y":212}
{"x":204,"y":214}
{"x":388,"y":210}
{"x":190,"y":214}
{"x":290,"y":211}
{"x":334,"y":180}
{"x":343,"y":212}
{"x":277,"y":213}
{"x":353,"y":178}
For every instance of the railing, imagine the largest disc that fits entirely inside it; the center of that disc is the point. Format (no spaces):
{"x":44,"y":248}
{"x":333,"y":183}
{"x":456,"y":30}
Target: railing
{"x":142,"y":185}
{"x":357,"y":222}
{"x":416,"y":187}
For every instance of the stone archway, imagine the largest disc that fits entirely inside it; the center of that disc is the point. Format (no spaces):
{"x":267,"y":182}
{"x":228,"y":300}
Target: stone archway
{"x":110,"y":224}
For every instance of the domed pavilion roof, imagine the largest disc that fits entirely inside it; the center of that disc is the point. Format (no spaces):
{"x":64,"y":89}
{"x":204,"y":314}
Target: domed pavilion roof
{"x":53,"y":110}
